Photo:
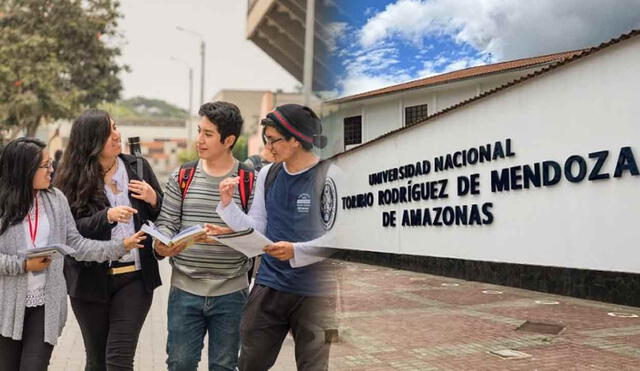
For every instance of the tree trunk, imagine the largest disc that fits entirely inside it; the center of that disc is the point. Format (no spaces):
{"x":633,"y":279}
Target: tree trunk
{"x":32,"y":126}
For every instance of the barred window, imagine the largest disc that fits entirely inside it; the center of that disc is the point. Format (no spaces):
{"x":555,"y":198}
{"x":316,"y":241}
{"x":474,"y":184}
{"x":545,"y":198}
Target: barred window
{"x":415,"y":114}
{"x":352,"y":130}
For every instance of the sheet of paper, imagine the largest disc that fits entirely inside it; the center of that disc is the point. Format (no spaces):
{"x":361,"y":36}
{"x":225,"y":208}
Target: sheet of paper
{"x":249,"y":242}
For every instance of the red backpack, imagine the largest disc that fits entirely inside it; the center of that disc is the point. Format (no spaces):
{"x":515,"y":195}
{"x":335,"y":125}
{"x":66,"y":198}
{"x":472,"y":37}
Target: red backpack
{"x":247,"y":177}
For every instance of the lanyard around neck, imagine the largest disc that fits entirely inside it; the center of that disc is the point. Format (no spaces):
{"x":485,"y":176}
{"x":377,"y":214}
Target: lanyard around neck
{"x":33,"y":230}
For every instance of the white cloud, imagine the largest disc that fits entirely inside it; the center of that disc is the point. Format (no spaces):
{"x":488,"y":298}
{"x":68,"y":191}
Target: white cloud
{"x":359,"y":83}
{"x":486,"y":31}
{"x":335,"y":31}
{"x":369,"y":69}
{"x":441,"y":60}
{"x":505,"y":29}
{"x":431,"y":68}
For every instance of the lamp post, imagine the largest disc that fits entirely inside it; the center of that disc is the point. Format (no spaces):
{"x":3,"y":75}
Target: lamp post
{"x":202,"y":58}
{"x":190,"y":82}
{"x":309,"y":33}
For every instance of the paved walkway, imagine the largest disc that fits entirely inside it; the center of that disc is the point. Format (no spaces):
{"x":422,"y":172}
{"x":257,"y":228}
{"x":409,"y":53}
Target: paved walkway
{"x":399,"y":320}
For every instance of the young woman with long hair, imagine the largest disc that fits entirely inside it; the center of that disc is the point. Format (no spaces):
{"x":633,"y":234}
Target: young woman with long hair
{"x":33,"y":297}
{"x":109,"y":199}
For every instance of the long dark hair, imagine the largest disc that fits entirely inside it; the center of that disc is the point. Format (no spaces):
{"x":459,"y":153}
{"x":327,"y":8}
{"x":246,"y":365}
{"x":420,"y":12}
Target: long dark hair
{"x":79,"y":176}
{"x":19,"y":162}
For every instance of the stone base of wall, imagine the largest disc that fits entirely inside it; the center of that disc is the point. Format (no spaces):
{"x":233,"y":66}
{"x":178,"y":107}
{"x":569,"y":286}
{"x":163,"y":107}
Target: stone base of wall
{"x":613,"y":287}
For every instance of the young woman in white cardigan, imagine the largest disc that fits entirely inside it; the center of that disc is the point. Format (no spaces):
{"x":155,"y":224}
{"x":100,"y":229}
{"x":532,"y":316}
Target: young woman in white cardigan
{"x":33,"y":296}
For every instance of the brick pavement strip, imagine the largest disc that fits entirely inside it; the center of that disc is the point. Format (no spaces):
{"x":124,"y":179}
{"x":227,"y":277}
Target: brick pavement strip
{"x":624,"y":331}
{"x":467,"y":349}
{"x":422,"y":325}
{"x":615,"y":347}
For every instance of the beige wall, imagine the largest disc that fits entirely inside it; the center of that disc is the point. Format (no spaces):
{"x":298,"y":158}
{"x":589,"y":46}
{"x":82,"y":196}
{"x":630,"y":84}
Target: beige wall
{"x":254,"y":106}
{"x":248,"y":101}
{"x":269,"y":101}
{"x":160,"y":143}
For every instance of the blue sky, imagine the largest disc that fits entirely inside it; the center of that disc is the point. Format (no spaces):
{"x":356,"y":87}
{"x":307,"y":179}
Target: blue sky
{"x":384,"y":42}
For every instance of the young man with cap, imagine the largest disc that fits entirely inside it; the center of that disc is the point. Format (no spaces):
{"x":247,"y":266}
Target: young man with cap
{"x":209,"y":284}
{"x":286,"y":208}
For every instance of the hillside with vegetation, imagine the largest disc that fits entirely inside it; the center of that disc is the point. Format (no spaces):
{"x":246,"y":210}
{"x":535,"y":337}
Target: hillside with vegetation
{"x":141,"y":108}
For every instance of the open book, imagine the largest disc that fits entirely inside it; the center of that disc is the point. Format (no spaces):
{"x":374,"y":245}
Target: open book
{"x":249,"y":242}
{"x":48,"y":251}
{"x":186,"y":234}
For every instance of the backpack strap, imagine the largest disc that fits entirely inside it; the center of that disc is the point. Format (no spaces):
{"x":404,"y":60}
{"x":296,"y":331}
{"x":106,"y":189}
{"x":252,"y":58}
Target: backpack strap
{"x":256,"y":162}
{"x":247,"y":177}
{"x":247,"y":180}
{"x":139,"y":168}
{"x":185,"y":176}
{"x":274,"y":170}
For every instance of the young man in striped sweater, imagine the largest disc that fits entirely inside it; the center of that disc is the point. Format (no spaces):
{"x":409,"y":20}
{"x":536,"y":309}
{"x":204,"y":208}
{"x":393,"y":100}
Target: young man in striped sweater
{"x":209,"y":281}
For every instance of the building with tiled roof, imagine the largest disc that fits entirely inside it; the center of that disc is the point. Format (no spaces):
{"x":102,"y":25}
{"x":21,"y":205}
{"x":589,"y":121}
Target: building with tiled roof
{"x":532,"y":183}
{"x":356,"y":119}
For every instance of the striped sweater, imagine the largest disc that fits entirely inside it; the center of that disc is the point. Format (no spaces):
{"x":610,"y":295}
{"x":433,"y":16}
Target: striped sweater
{"x":210,"y":269}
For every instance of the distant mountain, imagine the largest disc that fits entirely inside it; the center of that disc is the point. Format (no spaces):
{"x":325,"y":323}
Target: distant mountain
{"x":140,"y":108}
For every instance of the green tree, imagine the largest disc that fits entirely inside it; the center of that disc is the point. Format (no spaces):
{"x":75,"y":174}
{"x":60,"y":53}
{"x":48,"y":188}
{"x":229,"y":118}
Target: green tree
{"x":55,"y":59}
{"x":240,"y":149}
{"x":187,"y":155}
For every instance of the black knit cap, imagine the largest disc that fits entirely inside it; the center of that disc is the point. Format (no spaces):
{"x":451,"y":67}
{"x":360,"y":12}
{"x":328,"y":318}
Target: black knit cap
{"x":301,"y":122}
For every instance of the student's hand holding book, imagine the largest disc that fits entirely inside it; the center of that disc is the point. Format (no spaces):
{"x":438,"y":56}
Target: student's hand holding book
{"x":37,"y":264}
{"x":171,"y":250}
{"x":211,"y":230}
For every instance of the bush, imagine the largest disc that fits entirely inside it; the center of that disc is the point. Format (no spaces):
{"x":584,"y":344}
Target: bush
{"x":241,"y":148}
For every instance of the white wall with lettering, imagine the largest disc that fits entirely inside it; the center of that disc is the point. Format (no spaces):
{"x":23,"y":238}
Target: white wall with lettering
{"x":587,"y":106}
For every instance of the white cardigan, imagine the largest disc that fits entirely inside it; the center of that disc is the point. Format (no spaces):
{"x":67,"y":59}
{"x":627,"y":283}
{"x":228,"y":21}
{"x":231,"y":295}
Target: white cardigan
{"x":13,"y":278}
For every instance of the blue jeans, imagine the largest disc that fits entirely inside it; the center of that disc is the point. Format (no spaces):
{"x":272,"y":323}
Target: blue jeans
{"x":191,"y":316}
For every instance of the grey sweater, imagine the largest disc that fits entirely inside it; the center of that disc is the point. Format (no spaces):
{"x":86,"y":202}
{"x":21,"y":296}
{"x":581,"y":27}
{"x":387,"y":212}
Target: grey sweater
{"x":209,"y":269}
{"x":13,"y":278}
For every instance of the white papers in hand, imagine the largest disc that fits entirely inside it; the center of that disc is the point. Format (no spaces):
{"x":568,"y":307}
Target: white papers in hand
{"x":249,"y":242}
{"x":49,"y":250}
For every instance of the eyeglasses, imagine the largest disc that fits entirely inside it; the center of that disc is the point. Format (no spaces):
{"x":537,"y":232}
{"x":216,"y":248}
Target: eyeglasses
{"x":270,"y":141}
{"x":48,"y":165}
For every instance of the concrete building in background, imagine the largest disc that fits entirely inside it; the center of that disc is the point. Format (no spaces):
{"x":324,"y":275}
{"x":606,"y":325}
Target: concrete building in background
{"x":161,"y":140}
{"x":254,"y":106}
{"x":249,"y":103}
{"x":532,"y":184}
{"x":278,"y":28}
{"x":269,"y":101}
